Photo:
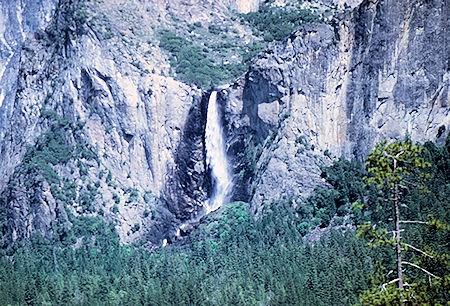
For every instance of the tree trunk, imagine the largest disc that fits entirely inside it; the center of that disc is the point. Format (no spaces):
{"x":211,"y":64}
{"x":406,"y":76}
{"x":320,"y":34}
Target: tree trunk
{"x":397,"y":233}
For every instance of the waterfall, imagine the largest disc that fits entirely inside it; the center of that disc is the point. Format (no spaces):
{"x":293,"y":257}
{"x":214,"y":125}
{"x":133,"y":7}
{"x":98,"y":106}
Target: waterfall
{"x":216,"y":157}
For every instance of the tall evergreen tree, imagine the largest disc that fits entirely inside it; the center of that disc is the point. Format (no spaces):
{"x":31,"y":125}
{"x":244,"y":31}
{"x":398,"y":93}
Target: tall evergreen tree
{"x":396,"y":168}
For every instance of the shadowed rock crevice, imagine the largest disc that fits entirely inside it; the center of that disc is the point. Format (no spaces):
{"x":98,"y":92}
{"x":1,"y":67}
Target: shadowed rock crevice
{"x":258,"y":90}
{"x":189,"y":183}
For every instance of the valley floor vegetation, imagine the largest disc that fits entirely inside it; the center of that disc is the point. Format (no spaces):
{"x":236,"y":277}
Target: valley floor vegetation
{"x":233,"y":258}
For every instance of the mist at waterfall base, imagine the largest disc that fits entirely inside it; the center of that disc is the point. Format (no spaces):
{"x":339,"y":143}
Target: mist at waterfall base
{"x":216,"y":157}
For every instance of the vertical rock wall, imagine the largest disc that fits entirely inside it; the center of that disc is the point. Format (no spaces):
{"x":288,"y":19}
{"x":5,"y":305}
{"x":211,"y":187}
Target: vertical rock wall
{"x":18,"y":21}
{"x":111,"y":107}
{"x":326,"y":91}
{"x":89,"y":82}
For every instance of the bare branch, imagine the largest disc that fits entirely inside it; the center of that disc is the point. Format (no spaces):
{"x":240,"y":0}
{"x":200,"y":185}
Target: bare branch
{"x":412,"y":222}
{"x":392,"y":156}
{"x":393,"y":232}
{"x":419,"y":250}
{"x":388,"y":283}
{"x":420,"y":268}
{"x":399,"y":153}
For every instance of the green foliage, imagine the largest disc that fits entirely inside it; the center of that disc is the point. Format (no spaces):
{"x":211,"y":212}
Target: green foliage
{"x":275,"y":23}
{"x":136,"y":227}
{"x":87,"y":198}
{"x":53,"y":148}
{"x":393,"y":163}
{"x":346,"y":179}
{"x":238,"y":260}
{"x":214,"y":29}
{"x":109,"y":178}
{"x":60,"y":147}
{"x":147,"y":196}
{"x":322,"y":206}
{"x":192,"y":27}
{"x":401,"y":171}
{"x":422,"y":292}
{"x":146,"y":213}
{"x":133,"y":195}
{"x":233,"y":258}
{"x":116,"y":198}
{"x":69,"y":21}
{"x":250,"y":51}
{"x":392,"y":167}
{"x":345,"y":176}
{"x":193,"y":64}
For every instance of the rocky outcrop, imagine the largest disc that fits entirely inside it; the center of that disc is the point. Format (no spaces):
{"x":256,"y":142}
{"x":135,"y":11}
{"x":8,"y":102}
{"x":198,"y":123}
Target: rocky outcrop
{"x":379,"y":73}
{"x":127,"y":113}
{"x":192,"y":11}
{"x":18,"y":21}
{"x":133,"y":135}
{"x":93,"y":124}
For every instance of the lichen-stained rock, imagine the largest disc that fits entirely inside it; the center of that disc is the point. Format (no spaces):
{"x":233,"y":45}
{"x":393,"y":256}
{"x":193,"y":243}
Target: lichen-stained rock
{"x":378,"y":73}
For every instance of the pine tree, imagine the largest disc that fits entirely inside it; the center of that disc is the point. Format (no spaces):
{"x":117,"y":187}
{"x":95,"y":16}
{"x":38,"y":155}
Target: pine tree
{"x":396,"y":168}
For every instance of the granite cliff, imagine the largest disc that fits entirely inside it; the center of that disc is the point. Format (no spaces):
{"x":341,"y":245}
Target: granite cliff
{"x":381,"y":72}
{"x":93,"y":121}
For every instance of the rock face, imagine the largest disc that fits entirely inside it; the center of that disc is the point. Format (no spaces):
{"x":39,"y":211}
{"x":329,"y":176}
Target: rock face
{"x":246,"y":6}
{"x":189,"y":183}
{"x":379,"y":73}
{"x":93,"y":124}
{"x":18,"y":20}
{"x":118,"y":103}
{"x":132,"y":143}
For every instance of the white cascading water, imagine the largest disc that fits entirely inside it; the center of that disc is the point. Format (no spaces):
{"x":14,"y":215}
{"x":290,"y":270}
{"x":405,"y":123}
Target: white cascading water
{"x":216,"y":157}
